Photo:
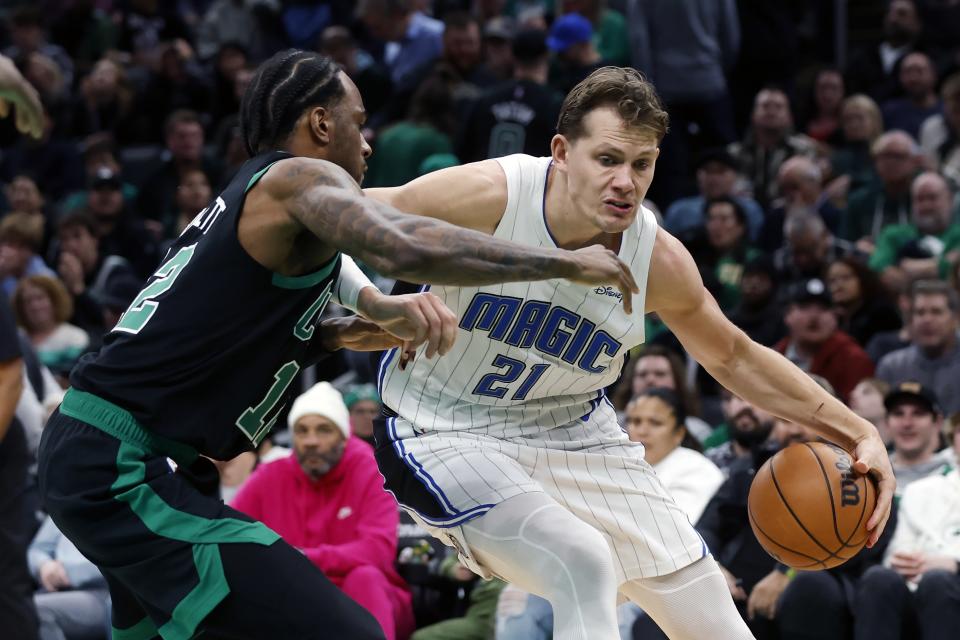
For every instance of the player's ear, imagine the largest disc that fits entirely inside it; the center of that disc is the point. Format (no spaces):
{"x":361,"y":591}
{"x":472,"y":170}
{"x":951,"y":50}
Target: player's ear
{"x":559,"y":148}
{"x":320,"y":122}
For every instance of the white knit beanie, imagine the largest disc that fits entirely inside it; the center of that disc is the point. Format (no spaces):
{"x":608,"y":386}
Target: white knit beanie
{"x":322,"y":399}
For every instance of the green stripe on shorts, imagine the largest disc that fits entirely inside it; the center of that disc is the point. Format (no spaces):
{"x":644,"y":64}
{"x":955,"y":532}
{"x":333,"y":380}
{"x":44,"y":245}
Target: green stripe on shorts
{"x":143,"y":630}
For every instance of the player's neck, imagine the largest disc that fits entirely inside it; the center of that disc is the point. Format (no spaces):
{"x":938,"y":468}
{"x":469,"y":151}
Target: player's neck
{"x":571,"y":229}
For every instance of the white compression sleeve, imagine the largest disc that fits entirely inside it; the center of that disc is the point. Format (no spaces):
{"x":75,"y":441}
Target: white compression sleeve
{"x":349,"y":284}
{"x":691,"y":603}
{"x":531,"y":541}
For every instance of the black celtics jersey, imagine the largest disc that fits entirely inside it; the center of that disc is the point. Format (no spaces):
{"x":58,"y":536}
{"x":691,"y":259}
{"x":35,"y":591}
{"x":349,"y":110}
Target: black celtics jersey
{"x":207,"y":352}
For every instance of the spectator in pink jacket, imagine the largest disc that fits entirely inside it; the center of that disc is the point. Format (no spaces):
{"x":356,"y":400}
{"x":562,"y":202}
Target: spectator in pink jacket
{"x":328,"y":501}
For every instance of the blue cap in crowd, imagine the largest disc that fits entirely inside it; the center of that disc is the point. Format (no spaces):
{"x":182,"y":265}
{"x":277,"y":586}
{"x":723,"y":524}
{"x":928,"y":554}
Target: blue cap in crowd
{"x":568,"y":30}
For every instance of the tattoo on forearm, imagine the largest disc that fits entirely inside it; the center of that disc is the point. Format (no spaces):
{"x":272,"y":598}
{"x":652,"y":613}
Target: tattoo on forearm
{"x":411,"y":247}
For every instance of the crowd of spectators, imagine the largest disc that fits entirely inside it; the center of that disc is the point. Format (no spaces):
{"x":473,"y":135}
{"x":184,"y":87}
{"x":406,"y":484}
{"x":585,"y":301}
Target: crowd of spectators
{"x":812,"y":169}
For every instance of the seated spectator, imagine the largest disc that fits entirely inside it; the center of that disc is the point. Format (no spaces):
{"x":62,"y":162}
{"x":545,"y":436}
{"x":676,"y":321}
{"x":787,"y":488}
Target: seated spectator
{"x":193,"y":196}
{"x":886,"y":342}
{"x":809,"y":248}
{"x":745,"y":427}
{"x":872,"y":69}
{"x":867,"y":402}
{"x":184,"y":140}
{"x":105,"y":103}
{"x":517,"y":116}
{"x":335,"y":509}
{"x":768,"y":143}
{"x":759,"y":313}
{"x":860,"y":301}
{"x":73,"y":600}
{"x":816,"y":345}
{"x":716,"y":172}
{"x":940,"y":134}
{"x":824,"y":122}
{"x":721,"y":248}
{"x":498,"y":36}
{"x":42,"y":307}
{"x":20,"y":238}
{"x":914,"y":420}
{"x":99,"y":152}
{"x":656,"y":366}
{"x":655,"y":418}
{"x":851,"y":163}
{"x":571,"y":40}
{"x":24,"y":196}
{"x":800,"y":182}
{"x":876,"y":205}
{"x":925,"y":246}
{"x":933,"y":357}
{"x":916,"y":592}
{"x":120,"y":231}
{"x":363,"y":403}
{"x":461,"y":59}
{"x":85,"y":271}
{"x":919,"y":80}
{"x":247,"y":24}
{"x":28,"y":35}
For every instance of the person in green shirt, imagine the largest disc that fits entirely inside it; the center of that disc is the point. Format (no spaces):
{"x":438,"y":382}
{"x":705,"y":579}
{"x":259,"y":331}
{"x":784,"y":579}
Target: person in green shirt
{"x":928,"y":245}
{"x":610,"y":36}
{"x":721,"y":248}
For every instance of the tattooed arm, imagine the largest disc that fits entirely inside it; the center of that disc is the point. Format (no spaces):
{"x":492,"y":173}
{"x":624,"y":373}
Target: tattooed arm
{"x":324,"y":199}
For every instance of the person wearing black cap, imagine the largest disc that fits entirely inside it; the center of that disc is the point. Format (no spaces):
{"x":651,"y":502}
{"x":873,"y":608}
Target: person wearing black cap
{"x":519,"y":115}
{"x":916,"y":592}
{"x":716,"y":173}
{"x":914,"y":420}
{"x":816,"y":345}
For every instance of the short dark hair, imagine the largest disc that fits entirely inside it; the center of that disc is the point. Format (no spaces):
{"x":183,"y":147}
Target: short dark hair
{"x":623,"y":88}
{"x":181,"y":116}
{"x":282,"y":87}
{"x":935,"y":288}
{"x":738,"y":211}
{"x":459,"y":20}
{"x":78,"y":218}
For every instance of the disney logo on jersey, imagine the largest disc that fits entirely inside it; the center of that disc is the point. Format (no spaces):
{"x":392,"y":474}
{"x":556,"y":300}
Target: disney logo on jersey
{"x":609,"y":291}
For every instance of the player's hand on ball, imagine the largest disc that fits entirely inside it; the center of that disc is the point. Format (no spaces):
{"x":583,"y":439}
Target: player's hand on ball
{"x":416,"y":319}
{"x":765,"y":595}
{"x":598,"y":265}
{"x":356,"y":334}
{"x":870,"y":456}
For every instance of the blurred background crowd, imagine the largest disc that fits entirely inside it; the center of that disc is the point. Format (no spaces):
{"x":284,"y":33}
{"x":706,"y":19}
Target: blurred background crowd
{"x":812,"y":168}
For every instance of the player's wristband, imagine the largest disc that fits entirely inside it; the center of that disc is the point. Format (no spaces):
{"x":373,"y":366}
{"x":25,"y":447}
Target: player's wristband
{"x":349,"y":284}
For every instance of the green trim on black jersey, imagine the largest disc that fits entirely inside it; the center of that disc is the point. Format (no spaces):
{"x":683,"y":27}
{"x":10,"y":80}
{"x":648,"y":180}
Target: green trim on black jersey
{"x":308,"y":280}
{"x":121,"y":424}
{"x":143,"y":630}
{"x":259,"y":174}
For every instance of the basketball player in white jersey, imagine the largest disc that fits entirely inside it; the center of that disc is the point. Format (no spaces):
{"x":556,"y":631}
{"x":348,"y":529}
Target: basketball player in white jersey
{"x":507,"y":448}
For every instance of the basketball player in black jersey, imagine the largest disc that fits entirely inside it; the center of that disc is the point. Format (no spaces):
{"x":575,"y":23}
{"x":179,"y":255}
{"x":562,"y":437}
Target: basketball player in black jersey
{"x":202,"y":362}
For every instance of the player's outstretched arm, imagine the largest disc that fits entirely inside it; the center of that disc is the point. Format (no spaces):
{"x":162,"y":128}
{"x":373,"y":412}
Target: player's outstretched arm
{"x":323,"y":198}
{"x":756,"y":373}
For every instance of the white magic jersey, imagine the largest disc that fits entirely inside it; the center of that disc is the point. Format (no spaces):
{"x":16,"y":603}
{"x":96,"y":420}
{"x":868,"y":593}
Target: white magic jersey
{"x":530,"y":356}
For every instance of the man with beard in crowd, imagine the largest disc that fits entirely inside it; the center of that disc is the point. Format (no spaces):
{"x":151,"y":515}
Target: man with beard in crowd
{"x":746,"y":426}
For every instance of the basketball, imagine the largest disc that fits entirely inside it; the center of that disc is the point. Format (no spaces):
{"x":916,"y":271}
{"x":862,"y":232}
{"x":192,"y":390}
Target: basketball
{"x":808,"y":508}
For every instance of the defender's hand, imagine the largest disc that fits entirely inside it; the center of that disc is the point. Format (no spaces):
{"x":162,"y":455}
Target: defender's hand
{"x":871,"y":457}
{"x":599,"y":265}
{"x":356,"y":334}
{"x":414,"y":318}
{"x":16,"y":92}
